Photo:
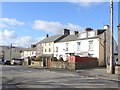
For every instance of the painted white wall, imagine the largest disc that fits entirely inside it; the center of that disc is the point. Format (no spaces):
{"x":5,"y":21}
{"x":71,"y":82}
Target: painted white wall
{"x":85,"y":47}
{"x":25,"y":54}
{"x":62,"y":49}
{"x":72,"y":48}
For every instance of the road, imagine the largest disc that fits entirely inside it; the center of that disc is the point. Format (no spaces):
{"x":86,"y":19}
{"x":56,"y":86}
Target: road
{"x":27,"y":77}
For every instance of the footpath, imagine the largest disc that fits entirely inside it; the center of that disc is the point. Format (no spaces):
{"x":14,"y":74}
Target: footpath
{"x":100,"y":73}
{"x":92,"y":72}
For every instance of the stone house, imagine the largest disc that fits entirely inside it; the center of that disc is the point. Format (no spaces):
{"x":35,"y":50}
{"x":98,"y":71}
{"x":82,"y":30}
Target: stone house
{"x":117,"y":67}
{"x":46,"y":46}
{"x":9,"y":52}
{"x":27,"y":54}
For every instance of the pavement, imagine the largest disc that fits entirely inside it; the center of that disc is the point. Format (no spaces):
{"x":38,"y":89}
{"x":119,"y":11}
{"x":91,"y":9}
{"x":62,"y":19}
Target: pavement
{"x":99,"y":72}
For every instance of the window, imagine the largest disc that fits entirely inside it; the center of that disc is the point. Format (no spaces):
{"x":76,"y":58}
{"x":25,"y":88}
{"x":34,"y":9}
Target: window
{"x":83,"y":35}
{"x":56,"y":55}
{"x":49,"y":44}
{"x":88,"y":34}
{"x":78,"y":46}
{"x":38,"y":50}
{"x":49,"y":50}
{"x":66,"y":46}
{"x":56,"y":49}
{"x":91,"y":34}
{"x":91,"y":45}
{"x":45,"y":50}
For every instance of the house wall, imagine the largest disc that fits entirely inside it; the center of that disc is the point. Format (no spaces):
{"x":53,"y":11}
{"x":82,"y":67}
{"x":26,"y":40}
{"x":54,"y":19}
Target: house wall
{"x":15,"y":53}
{"x":72,"y":48}
{"x":85,"y":47}
{"x":47,"y":46}
{"x":119,"y":44}
{"x":39,"y":50}
{"x":27,"y":53}
{"x":62,"y":49}
{"x":117,"y":68}
{"x":102,"y":57}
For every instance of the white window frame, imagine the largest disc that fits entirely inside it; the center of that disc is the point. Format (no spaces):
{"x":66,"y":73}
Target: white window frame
{"x":78,"y":46}
{"x":56,"y":49}
{"x":91,"y":45}
{"x":67,"y":46}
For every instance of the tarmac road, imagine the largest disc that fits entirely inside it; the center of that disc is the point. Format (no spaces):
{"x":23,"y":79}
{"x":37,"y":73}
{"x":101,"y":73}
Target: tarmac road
{"x":25,"y":77}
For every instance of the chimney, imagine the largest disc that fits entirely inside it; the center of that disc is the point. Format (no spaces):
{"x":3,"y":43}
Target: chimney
{"x":47,"y":35}
{"x":106,"y":27}
{"x":76,"y":32}
{"x":66,"y":32}
{"x":88,"y":29}
{"x":33,"y":46}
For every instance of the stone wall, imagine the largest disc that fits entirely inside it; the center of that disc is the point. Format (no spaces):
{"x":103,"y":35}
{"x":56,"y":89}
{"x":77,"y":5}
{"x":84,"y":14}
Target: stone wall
{"x":85,"y":62}
{"x":59,"y":64}
{"x":71,"y":65}
{"x":36,"y":63}
{"x":82,"y":65}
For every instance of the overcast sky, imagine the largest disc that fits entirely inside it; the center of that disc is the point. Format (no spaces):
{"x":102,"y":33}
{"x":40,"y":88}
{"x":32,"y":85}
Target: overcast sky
{"x":26,"y":23}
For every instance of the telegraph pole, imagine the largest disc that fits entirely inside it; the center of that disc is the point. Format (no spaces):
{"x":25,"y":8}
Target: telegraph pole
{"x":112,"y":68}
{"x":10,"y":52}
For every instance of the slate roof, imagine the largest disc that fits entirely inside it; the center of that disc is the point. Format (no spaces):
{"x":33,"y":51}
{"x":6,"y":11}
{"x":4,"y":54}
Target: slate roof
{"x":68,"y":38}
{"x":29,"y":49}
{"x":50,"y":39}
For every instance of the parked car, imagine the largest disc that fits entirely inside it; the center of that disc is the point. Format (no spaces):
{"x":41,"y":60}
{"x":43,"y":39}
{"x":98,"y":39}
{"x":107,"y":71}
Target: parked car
{"x":16,"y":61}
{"x":6,"y":62}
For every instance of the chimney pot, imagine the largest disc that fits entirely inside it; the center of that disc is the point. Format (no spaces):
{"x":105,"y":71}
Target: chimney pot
{"x":66,"y":32}
{"x":47,"y":35}
{"x":88,"y":29}
{"x":106,"y":27}
{"x":76,"y":32}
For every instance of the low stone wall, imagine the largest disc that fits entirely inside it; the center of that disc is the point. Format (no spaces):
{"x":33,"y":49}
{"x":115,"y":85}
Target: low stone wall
{"x":117,"y":70}
{"x":59,"y":64}
{"x":75,"y":62}
{"x":82,"y":62}
{"x":35,"y":63}
{"x":74,"y":65}
{"x":81,"y":65}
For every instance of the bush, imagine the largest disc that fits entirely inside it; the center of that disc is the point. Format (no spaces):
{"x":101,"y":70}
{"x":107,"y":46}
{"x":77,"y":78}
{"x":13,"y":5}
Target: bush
{"x":60,"y":59}
{"x":54,"y":59}
{"x":38,"y":58}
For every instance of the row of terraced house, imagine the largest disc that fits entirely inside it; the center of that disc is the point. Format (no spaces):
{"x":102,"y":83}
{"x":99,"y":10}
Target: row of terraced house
{"x":88,"y":43}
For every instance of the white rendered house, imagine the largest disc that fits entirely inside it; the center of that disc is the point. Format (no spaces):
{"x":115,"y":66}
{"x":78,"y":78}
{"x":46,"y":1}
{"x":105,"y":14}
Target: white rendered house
{"x":90,"y":43}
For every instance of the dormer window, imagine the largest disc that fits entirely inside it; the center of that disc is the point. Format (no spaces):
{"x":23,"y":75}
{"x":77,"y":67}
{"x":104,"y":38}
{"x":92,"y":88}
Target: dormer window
{"x":91,"y":34}
{"x":83,"y":35}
